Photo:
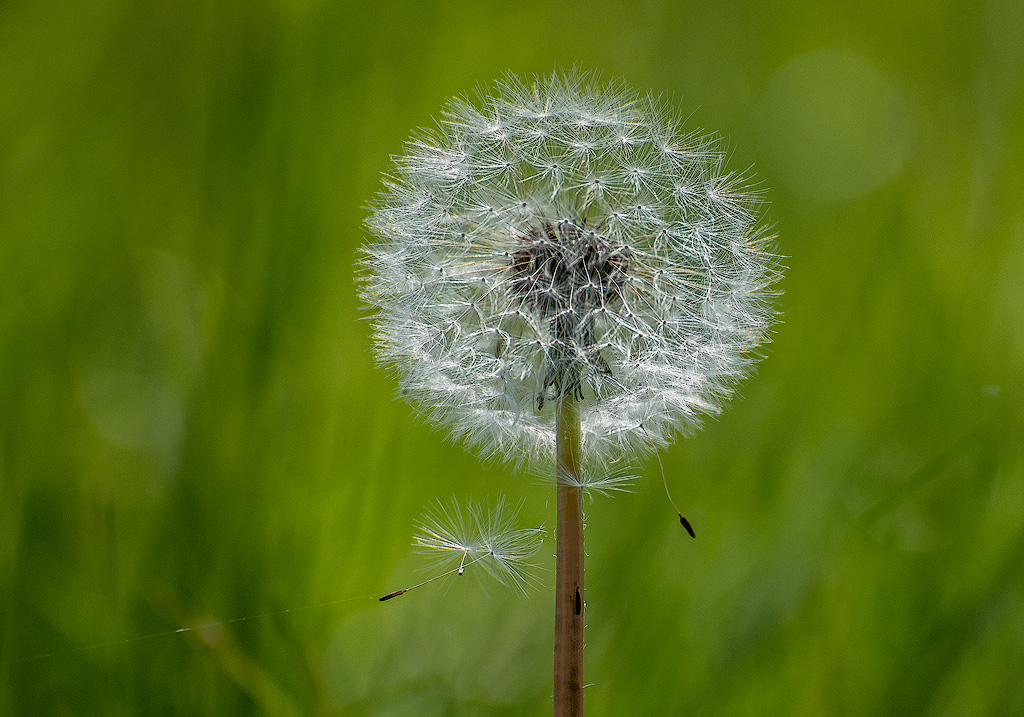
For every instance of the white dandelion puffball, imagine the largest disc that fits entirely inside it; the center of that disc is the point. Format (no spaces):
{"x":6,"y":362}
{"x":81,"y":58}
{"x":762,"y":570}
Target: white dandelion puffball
{"x":562,"y":239}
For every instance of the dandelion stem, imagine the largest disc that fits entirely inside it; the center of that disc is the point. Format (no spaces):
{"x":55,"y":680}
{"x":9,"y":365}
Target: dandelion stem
{"x":568,"y":693}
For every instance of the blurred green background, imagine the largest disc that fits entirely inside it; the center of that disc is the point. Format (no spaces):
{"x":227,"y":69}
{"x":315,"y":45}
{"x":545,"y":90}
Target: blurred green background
{"x":192,"y":430}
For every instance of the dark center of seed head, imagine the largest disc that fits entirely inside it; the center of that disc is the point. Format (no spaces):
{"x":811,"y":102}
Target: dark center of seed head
{"x":564,"y":271}
{"x":566,"y":268}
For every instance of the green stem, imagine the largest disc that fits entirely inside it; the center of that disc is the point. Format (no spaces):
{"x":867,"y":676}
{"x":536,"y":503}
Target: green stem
{"x":568,"y":693}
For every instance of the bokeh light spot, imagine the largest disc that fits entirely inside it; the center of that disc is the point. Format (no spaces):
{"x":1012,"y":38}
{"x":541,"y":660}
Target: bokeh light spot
{"x":833,"y":126}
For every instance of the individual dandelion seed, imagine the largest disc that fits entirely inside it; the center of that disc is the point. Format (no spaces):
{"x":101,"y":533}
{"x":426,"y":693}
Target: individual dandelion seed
{"x":483,"y":535}
{"x":565,"y":278}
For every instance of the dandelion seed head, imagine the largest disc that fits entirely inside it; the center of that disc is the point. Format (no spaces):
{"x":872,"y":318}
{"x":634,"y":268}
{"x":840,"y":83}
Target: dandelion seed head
{"x":567,"y":237}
